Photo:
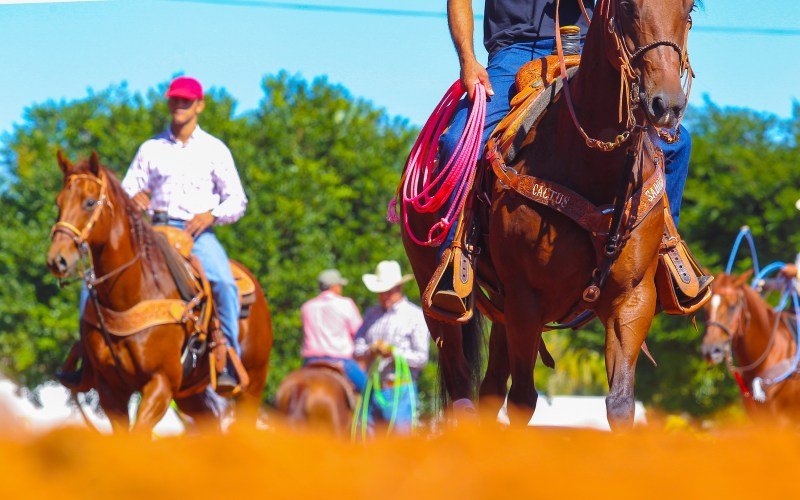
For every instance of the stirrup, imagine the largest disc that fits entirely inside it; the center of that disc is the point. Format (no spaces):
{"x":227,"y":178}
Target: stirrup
{"x":682,"y":285}
{"x":224,"y":381}
{"x":448,"y":296}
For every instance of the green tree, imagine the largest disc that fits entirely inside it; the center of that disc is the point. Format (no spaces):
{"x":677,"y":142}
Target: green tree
{"x":318,"y":165}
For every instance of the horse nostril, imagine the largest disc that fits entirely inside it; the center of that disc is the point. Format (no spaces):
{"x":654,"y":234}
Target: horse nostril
{"x":62,"y":264}
{"x":658,"y":106}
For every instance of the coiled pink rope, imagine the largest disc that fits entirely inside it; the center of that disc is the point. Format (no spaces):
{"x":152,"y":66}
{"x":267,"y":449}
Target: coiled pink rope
{"x":425,"y":191}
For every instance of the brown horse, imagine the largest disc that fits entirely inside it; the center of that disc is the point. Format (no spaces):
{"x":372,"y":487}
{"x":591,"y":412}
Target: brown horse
{"x":541,"y":260}
{"x":756,"y":343}
{"x":130,"y":269}
{"x":317,"y":397}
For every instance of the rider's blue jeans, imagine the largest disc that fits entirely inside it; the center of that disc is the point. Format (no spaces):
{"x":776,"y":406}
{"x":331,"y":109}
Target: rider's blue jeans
{"x":404,"y":416}
{"x":217,"y":268}
{"x":351,"y":369}
{"x":502,"y":69}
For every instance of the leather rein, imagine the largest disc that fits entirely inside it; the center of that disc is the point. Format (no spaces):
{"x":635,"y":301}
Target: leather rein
{"x":609,"y":225}
{"x":742,"y":312}
{"x":79,"y":238}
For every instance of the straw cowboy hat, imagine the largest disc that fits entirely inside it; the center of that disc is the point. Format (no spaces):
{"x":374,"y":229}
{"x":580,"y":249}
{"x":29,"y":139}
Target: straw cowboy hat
{"x":387,"y":276}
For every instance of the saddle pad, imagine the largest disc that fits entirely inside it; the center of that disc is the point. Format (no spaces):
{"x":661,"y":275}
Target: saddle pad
{"x":514,"y":132}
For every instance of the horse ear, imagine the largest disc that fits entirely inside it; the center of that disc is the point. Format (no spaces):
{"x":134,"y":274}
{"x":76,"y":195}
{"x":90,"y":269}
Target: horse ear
{"x":744,"y":278}
{"x":94,"y":163}
{"x":63,"y":162}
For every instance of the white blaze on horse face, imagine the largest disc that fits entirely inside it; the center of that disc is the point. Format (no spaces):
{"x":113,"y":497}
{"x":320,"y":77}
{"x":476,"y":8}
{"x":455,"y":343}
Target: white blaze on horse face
{"x":716,"y":300}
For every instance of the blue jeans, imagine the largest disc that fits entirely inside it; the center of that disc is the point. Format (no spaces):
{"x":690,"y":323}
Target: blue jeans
{"x":407,"y":401}
{"x":223,"y":287}
{"x":502,"y":69}
{"x":217,"y":268}
{"x":351,"y":369}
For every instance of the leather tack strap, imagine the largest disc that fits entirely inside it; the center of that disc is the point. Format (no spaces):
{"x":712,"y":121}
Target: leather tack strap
{"x":145,"y":314}
{"x":596,"y":220}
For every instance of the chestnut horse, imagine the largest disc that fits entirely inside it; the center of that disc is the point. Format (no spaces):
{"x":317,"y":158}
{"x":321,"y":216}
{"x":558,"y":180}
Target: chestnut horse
{"x":539,"y":259}
{"x":316,"y":397}
{"x":130,"y":268}
{"x":755,"y":341}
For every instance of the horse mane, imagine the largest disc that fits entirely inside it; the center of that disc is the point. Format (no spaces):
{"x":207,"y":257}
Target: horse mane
{"x":141,"y":232}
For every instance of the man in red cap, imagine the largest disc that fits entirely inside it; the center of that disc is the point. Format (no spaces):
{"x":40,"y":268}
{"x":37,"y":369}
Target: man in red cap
{"x":187,"y":178}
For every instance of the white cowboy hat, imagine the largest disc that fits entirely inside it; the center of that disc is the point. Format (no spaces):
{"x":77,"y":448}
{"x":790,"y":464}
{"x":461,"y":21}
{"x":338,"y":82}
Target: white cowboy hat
{"x":387,"y":276}
{"x":797,"y":204}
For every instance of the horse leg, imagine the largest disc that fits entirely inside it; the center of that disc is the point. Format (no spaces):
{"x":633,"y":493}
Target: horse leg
{"x":156,"y":396}
{"x":495,"y":384}
{"x":115,"y":406}
{"x":626,"y":330}
{"x":205,"y":411}
{"x":455,"y":369}
{"x":522,"y":316}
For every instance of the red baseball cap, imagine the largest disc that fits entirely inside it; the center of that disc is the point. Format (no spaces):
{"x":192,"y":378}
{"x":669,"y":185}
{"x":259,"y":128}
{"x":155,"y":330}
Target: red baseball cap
{"x":185,"y":87}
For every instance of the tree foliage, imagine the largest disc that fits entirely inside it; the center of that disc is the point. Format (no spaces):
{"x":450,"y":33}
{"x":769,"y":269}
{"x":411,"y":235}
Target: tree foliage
{"x":319,"y":167}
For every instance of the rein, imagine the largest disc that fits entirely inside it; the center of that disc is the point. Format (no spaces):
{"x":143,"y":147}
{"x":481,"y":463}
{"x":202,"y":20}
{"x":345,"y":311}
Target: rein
{"x":629,"y":81}
{"x":79,"y":238}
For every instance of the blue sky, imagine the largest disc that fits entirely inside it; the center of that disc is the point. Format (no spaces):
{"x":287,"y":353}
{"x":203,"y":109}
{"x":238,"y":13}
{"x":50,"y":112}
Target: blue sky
{"x":404,"y":64}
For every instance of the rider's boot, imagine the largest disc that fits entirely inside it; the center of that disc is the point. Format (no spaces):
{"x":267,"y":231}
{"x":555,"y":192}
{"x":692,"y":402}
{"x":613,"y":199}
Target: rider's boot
{"x":72,"y":376}
{"x":683,"y":285}
{"x":227,"y":381}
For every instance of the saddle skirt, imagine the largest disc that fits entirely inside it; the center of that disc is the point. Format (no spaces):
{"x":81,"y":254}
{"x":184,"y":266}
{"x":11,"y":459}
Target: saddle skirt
{"x":182,"y":243}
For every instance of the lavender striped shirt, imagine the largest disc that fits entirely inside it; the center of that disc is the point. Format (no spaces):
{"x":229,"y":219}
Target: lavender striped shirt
{"x":186,"y":179}
{"x":402,"y":326}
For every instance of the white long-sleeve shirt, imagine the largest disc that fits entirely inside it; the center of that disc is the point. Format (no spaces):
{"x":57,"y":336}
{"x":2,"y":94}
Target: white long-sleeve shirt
{"x":401,"y":326}
{"x":186,"y":179}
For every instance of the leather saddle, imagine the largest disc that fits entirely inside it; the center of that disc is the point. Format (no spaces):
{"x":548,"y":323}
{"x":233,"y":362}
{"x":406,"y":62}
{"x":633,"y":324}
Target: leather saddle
{"x":336,"y":371}
{"x":180,"y":244}
{"x":682,"y":288}
{"x":187,"y":271}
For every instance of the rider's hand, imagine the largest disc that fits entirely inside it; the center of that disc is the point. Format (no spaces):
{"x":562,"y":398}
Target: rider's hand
{"x":382,"y":348}
{"x":789,"y":271}
{"x":200,"y":223}
{"x":142,"y":200}
{"x":471,"y":72}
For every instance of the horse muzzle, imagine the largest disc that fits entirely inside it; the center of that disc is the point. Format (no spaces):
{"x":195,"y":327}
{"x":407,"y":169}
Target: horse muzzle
{"x":714,"y":353}
{"x":664,"y":109}
{"x":62,"y":260}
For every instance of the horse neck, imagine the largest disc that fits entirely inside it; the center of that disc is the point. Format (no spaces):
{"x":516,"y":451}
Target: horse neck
{"x":755,"y":339}
{"x":595,"y":95}
{"x":132,"y":285}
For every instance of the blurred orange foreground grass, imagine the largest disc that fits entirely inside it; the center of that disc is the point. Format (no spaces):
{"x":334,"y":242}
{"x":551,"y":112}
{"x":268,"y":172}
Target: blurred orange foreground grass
{"x":466,"y":462}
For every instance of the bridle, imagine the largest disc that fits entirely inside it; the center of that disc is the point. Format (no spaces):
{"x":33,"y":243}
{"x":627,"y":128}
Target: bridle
{"x":740,"y":311}
{"x":630,"y":82}
{"x":80,"y":236}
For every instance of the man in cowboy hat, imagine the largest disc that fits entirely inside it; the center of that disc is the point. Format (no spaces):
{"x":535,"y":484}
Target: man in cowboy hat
{"x":330,"y":323}
{"x":393,"y":327}
{"x":791,"y":270}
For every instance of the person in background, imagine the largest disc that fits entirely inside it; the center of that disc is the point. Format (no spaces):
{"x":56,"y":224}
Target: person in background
{"x":330,"y":323}
{"x":394,"y":326}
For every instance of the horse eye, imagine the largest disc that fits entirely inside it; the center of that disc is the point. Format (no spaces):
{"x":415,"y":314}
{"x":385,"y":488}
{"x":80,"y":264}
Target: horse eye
{"x":89,"y":204}
{"x":627,"y":8}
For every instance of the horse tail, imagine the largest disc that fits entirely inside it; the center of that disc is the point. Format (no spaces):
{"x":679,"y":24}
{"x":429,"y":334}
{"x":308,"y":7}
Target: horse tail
{"x":472,"y":340}
{"x":472,"y":344}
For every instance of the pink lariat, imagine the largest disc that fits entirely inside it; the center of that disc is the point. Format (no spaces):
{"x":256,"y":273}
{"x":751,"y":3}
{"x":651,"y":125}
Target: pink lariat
{"x":424,"y":190}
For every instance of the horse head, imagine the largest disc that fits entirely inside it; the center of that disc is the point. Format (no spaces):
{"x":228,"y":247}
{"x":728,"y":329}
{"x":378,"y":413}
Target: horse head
{"x":646,"y":40}
{"x":726,"y":315}
{"x":84,"y":219}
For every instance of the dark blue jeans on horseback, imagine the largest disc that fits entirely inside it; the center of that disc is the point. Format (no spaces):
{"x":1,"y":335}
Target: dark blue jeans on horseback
{"x":502,"y":69}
